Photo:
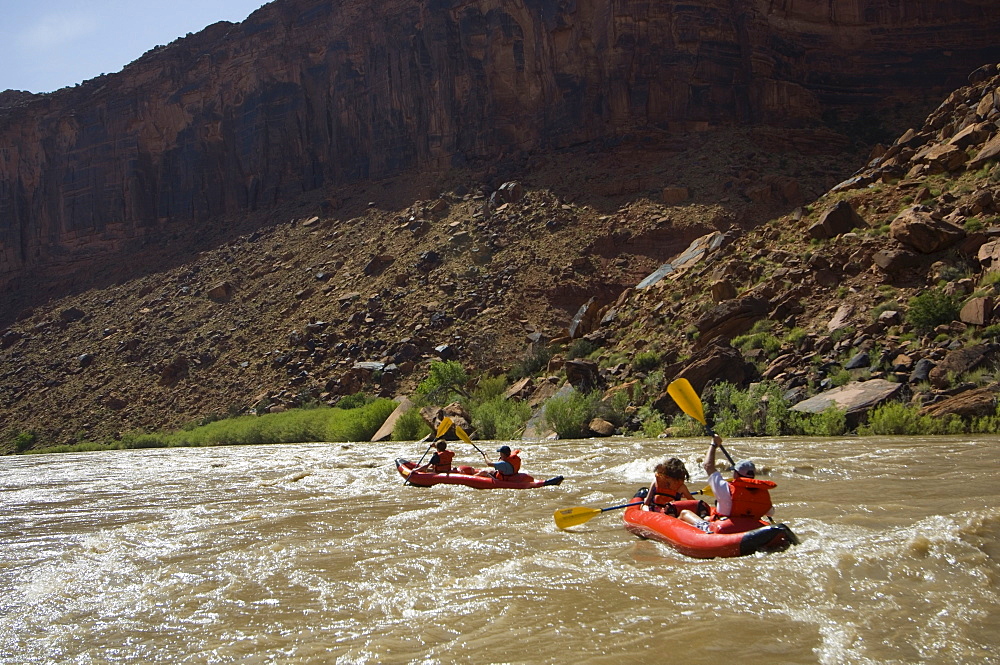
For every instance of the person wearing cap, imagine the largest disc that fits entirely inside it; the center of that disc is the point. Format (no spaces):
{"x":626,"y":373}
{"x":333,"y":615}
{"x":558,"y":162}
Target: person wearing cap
{"x":742,"y":497}
{"x":508,"y":465}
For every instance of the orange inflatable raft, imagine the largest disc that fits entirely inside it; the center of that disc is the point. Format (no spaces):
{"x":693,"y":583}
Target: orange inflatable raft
{"x":727,"y":538}
{"x":465,"y":475}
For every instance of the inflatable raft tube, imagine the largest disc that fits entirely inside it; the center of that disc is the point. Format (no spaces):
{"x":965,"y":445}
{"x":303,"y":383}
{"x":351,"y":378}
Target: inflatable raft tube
{"x":466,"y":476}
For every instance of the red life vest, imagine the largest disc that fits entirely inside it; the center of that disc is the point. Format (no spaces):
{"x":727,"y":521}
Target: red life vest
{"x":750,"y":497}
{"x":444,"y":458}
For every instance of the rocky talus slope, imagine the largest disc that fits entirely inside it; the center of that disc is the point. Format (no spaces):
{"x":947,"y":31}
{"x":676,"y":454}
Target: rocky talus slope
{"x":837,"y":281}
{"x":675,"y":244}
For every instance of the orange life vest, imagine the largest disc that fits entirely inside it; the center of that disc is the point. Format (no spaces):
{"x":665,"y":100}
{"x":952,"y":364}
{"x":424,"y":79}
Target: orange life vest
{"x":514,"y":461}
{"x":751,"y":497}
{"x":668,"y":496}
{"x":444,"y":458}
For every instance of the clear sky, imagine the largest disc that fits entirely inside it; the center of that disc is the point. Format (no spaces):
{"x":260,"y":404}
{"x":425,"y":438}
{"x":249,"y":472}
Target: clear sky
{"x":50,"y":44}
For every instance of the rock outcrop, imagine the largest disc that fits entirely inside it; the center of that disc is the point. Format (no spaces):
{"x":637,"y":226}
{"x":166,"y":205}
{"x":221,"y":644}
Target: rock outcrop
{"x":310,"y":94}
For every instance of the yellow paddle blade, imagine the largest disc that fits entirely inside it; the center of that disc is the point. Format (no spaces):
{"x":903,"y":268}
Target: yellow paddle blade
{"x":443,"y":427}
{"x":683,"y":393}
{"x":566,"y":517}
{"x":707,"y":491}
{"x":462,"y":435}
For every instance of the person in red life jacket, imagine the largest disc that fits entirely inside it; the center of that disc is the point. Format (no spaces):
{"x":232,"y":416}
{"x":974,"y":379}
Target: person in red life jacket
{"x":743,"y":497}
{"x":508,"y":465}
{"x":669,"y":484}
{"x":440,"y":461}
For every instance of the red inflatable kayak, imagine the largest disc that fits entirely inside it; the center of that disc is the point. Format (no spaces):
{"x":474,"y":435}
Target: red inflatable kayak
{"x":466,"y":476}
{"x":728,"y":538}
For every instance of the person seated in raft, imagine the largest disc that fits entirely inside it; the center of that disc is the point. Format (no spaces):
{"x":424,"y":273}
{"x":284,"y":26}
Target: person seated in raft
{"x":742,"y":497}
{"x":441,"y":460}
{"x":668,"y":485}
{"x":509,"y":464}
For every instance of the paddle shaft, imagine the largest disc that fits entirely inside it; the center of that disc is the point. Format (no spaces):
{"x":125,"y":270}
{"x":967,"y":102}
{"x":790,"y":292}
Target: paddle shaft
{"x":725,"y":452}
{"x":407,"y":481}
{"x":442,"y":428}
{"x":465,"y":437}
{"x":624,"y":505}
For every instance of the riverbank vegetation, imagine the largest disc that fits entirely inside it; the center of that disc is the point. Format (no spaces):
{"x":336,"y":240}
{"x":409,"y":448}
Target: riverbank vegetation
{"x":357,"y":420}
{"x":760,"y":410}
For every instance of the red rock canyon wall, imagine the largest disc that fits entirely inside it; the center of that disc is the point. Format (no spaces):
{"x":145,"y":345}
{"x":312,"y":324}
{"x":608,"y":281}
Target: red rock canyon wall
{"x":312,"y":93}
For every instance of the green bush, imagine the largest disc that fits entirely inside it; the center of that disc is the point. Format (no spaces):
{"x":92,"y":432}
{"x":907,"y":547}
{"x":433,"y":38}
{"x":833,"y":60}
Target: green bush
{"x":990,"y":278}
{"x":499,"y":418}
{"x":139,"y":439}
{"x":760,"y":340}
{"x":534,"y":363}
{"x":653,"y":424}
{"x":362,"y":423}
{"x":842,"y":333}
{"x":580,"y":348}
{"x":885,"y":306}
{"x":973,"y":224}
{"x":355,"y":401}
{"x":445,"y":382}
{"x":795,"y":336}
{"x":569,"y":415}
{"x":760,"y":410}
{"x":990,"y":331}
{"x":490,"y":387}
{"x":410,"y":427}
{"x":686,"y":426}
{"x":896,"y":418}
{"x":24,"y":440}
{"x":645,"y":361}
{"x":830,"y":422}
{"x":841,"y":377}
{"x":986,"y":424}
{"x":932,"y":308}
{"x":615,"y":410}
{"x":293,"y":426}
{"x":652,"y":387}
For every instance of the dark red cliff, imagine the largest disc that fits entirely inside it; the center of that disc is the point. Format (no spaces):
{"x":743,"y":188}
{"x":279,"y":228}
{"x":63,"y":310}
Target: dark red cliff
{"x":309,"y":94}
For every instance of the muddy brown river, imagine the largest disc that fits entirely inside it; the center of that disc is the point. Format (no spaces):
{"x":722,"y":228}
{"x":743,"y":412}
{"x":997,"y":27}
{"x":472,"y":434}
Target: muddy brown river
{"x":319,"y":554}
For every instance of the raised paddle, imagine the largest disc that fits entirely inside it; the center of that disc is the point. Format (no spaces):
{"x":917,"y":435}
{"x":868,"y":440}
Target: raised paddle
{"x":465,"y":437}
{"x":442,"y":429}
{"x":683,"y":393}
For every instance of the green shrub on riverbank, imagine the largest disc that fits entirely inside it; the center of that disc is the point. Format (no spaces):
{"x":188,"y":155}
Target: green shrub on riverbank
{"x":294,"y":426}
{"x":500,"y":419}
{"x":569,"y":414}
{"x":762,"y":410}
{"x":410,"y":427}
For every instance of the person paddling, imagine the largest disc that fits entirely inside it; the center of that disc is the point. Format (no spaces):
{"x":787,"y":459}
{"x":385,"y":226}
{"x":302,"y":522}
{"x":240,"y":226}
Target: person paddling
{"x":440,"y":461}
{"x":508,"y":465}
{"x":742,"y":497}
{"x":669,"y":484}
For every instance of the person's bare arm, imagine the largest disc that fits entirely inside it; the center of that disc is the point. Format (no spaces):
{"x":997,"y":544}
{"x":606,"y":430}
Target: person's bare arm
{"x":709,"y":464}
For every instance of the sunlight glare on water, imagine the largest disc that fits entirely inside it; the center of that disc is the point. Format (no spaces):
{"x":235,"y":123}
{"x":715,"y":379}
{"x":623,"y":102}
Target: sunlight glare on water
{"x":319,"y":554}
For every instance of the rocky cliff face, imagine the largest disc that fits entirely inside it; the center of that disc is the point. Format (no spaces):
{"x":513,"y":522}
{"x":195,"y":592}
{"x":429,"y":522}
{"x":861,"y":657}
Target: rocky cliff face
{"x":312,"y":94}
